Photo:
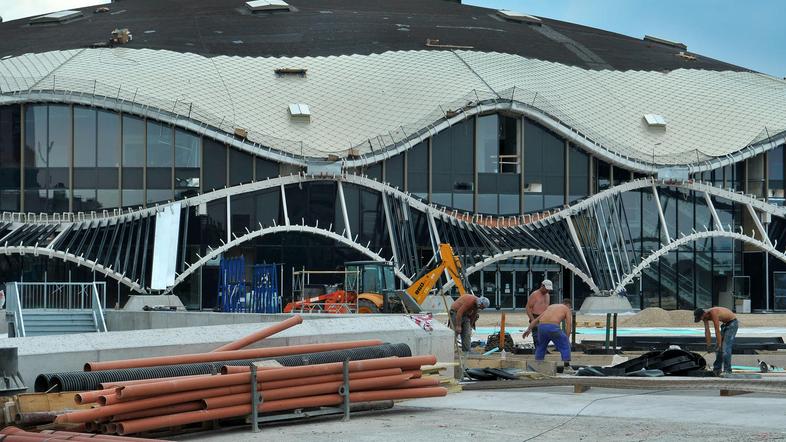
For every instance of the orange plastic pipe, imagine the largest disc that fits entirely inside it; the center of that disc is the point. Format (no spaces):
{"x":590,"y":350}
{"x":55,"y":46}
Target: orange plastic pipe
{"x":261,"y":334}
{"x":173,"y":386}
{"x":414,"y":383}
{"x":272,"y":385}
{"x":93,"y":414}
{"x":114,"y":385}
{"x":306,"y":390}
{"x":406,"y":363}
{"x":152,"y":423}
{"x":168,"y":409}
{"x":252,"y":353}
{"x":88,"y":397}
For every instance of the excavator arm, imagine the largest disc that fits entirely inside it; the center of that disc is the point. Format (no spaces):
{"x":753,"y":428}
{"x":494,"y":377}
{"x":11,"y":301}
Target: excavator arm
{"x":428,"y":277}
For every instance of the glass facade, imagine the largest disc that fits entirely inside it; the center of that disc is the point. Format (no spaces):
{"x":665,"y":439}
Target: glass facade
{"x":61,"y":158}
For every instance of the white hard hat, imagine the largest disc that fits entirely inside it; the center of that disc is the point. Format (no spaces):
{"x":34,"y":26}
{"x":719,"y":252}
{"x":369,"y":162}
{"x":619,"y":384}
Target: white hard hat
{"x":484,"y":302}
{"x":547,"y":283}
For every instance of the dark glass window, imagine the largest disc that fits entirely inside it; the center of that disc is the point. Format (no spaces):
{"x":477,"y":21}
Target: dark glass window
{"x":96,"y":159}
{"x":188,"y":160}
{"x":108,"y":142}
{"x":160,"y":158}
{"x":10,"y":159}
{"x":775,"y":162}
{"x":602,"y":175}
{"x":452,"y":168}
{"x":47,"y":158}
{"x":544,"y":168}
{"x":241,"y":167}
{"x":133,"y":161}
{"x":417,"y":170}
{"x":85,"y":170}
{"x":394,"y":171}
{"x":265,"y":169}
{"x":579,"y":174}
{"x":498,"y":165}
{"x":215,"y":160}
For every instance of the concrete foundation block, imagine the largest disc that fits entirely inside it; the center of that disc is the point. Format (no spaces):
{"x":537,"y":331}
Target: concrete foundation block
{"x":138,"y":302}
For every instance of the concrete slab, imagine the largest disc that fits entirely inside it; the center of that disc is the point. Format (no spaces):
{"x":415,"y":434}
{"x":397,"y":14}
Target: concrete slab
{"x":70,"y":352}
{"x":757,"y":412}
{"x":605,"y":304}
{"x":138,"y":302}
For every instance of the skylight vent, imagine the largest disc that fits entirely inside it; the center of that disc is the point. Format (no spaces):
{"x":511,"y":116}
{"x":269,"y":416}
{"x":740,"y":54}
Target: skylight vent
{"x":663,"y":41}
{"x":299,"y":110}
{"x":267,"y":5}
{"x":56,"y":17}
{"x":286,"y":72}
{"x":655,"y":120}
{"x":519,"y":17}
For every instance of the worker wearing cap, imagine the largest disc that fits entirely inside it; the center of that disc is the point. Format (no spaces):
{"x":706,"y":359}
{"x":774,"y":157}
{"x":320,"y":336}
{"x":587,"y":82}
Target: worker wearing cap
{"x":537,"y":303}
{"x":464,"y":312}
{"x":724,"y":335}
{"x":548,"y":326}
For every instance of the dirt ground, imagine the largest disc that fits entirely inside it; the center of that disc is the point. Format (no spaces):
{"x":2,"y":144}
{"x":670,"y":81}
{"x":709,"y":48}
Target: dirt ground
{"x":649,"y":317}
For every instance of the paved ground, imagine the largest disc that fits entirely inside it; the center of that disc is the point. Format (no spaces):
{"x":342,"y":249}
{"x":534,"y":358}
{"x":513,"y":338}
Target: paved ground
{"x":548,"y":414}
{"x":519,"y":318}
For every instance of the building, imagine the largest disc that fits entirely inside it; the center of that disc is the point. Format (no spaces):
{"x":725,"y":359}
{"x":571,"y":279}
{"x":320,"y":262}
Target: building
{"x":318,"y":132}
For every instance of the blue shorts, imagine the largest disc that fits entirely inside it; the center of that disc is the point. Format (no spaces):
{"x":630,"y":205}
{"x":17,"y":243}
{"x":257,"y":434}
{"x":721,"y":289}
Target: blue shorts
{"x":551,"y":333}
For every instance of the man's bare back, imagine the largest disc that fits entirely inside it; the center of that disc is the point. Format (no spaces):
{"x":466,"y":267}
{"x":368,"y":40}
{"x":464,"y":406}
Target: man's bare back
{"x":555,"y":314}
{"x":722,"y":314}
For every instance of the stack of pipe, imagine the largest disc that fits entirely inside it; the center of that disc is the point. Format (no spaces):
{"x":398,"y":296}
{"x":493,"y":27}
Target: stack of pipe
{"x":13,"y":434}
{"x":138,"y":407}
{"x":128,"y":407}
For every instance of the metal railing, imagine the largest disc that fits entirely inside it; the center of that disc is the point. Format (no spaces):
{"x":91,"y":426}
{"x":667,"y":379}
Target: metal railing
{"x":58,"y":295}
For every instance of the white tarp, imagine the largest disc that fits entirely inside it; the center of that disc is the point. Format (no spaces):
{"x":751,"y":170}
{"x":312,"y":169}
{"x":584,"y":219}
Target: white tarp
{"x":165,"y":247}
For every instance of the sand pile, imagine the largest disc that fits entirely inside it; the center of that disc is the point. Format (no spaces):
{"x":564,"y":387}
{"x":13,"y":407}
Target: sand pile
{"x":657,"y":317}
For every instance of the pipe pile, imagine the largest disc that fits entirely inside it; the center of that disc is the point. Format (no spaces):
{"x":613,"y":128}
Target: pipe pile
{"x":145,"y":394}
{"x":92,"y":380}
{"x":139,"y":407}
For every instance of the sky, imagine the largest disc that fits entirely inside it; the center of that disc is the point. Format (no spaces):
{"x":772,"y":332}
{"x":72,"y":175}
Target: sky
{"x":748,"y":33}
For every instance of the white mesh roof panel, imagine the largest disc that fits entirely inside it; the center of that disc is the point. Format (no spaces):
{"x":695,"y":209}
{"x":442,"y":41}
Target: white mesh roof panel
{"x":359,"y":97}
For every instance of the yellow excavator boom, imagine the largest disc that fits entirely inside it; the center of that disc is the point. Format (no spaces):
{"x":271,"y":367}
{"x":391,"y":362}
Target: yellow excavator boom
{"x":448,"y":261}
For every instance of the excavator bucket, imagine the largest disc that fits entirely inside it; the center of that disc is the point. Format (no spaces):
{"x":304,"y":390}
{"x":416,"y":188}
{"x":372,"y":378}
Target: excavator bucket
{"x":409,"y":302}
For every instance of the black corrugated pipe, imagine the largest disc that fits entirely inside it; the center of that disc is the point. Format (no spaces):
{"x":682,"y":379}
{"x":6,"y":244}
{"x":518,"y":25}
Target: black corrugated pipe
{"x":91,"y":380}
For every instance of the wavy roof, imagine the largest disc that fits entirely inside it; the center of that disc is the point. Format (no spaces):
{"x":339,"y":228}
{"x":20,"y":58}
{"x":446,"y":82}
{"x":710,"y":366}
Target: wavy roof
{"x":384,"y":97}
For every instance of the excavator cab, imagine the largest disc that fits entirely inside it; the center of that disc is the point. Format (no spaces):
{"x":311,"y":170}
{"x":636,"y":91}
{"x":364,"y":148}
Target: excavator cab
{"x":375,"y":285}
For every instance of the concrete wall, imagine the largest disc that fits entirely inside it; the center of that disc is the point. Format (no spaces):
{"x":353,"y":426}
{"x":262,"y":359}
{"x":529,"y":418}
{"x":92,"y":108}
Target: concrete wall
{"x":44,"y":354}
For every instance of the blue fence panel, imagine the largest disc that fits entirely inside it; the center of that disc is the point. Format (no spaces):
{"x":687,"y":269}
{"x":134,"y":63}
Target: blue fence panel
{"x":232,"y":284}
{"x":265,"y":292}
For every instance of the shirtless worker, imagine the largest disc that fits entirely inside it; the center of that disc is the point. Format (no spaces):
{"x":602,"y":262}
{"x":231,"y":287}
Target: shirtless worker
{"x":724,"y":335}
{"x":464,"y":313}
{"x":537,"y":303}
{"x":549,"y":331}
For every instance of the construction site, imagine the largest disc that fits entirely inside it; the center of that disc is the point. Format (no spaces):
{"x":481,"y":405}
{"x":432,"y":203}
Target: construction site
{"x":368,"y":220}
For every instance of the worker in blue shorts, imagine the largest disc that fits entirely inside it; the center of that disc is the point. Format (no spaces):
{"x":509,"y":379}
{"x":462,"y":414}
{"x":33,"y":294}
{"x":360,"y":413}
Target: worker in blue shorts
{"x":548,"y":324}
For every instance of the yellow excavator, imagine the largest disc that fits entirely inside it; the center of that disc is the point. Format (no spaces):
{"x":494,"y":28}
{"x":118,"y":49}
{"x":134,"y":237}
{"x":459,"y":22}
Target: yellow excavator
{"x":372,"y":285}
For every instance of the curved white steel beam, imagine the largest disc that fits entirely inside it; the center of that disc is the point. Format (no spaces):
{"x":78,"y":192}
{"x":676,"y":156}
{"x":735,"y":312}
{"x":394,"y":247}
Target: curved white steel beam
{"x":78,"y":260}
{"x":526,"y":252}
{"x":238,"y":240}
{"x":677,"y":243}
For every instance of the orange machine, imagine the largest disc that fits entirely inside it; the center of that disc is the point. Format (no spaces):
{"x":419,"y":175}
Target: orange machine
{"x":371,"y":286}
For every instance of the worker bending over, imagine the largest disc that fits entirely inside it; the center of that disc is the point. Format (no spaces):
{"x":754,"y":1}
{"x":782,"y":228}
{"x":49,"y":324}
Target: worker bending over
{"x":724,"y":335}
{"x":537,"y":303}
{"x":548,"y":327}
{"x":463,"y":315}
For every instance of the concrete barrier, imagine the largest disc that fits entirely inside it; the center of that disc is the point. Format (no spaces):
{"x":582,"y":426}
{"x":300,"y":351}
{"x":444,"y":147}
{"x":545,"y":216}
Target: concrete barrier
{"x":43,"y":354}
